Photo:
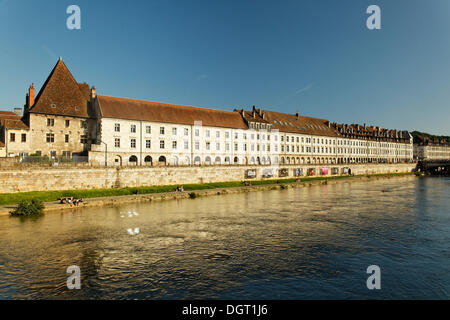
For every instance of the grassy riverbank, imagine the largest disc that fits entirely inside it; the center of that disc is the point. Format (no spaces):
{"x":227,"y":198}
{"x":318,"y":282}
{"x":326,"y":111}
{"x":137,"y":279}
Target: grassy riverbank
{"x":48,"y":196}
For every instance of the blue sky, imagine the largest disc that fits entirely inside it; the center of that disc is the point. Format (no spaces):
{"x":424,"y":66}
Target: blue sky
{"x":316,"y":57}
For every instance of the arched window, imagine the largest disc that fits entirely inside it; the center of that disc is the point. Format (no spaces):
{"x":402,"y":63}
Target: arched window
{"x":252,"y":160}
{"x":197,"y":160}
{"x":217,"y":160}
{"x":162,"y":160}
{"x":133,"y":160}
{"x":148,"y":160}
{"x":236,"y":160}
{"x":208,"y":160}
{"x":227,"y":160}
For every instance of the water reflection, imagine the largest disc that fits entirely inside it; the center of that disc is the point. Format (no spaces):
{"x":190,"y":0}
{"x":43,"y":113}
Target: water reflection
{"x":286,"y":244}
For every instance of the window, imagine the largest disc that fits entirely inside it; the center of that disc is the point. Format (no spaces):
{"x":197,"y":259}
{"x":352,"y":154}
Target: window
{"x":227,"y":134}
{"x":186,"y":131}
{"x":38,"y":153}
{"x":208,"y":145}
{"x":174,"y":131}
{"x":217,"y":134}
{"x":236,"y":135}
{"x":133,"y":143}
{"x":207,"y":133}
{"x":161,"y":144}
{"x":66,"y":154}
{"x":197,"y":145}
{"x":217,"y":146}
{"x":50,"y":137}
{"x":67,"y":123}
{"x":227,"y":147}
{"x":53,"y":105}
{"x":117,"y":127}
{"x":24,"y":137}
{"x":245,"y":147}
{"x":186,"y":145}
{"x":83,"y":124}
{"x":12,"y":137}
{"x":161,"y":130}
{"x":148,"y":129}
{"x":197,"y":132}
{"x":133,"y":128}
{"x":236,"y":147}
{"x":117,"y":142}
{"x":148,"y":144}
{"x":83,"y":139}
{"x":50,"y":122}
{"x":174,"y":144}
{"x":245,"y":136}
{"x":66,"y":138}
{"x":53,"y":154}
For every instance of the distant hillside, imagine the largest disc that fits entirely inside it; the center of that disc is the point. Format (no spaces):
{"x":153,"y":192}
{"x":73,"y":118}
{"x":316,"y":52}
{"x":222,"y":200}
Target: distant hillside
{"x":421,"y":135}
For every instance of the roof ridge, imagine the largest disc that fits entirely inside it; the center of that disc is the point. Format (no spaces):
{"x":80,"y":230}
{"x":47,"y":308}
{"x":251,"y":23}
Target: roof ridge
{"x":170,"y":104}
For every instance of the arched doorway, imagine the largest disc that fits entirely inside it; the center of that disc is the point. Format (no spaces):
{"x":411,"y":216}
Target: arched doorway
{"x":118,"y":161}
{"x":197,"y":161}
{"x":162,"y":160}
{"x":148,"y":160}
{"x":236,"y":160}
{"x":217,"y":160}
{"x":133,"y":160}
{"x":208,"y":160}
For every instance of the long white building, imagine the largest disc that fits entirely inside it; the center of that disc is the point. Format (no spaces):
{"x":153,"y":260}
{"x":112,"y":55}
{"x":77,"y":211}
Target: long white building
{"x":68,"y":119}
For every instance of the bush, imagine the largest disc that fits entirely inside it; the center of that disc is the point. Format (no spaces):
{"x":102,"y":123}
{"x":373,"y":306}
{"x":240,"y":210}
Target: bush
{"x":28,"y":208}
{"x":192,"y":195}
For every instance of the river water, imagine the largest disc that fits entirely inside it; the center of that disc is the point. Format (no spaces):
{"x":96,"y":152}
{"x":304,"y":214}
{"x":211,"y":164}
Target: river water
{"x":306,"y":243}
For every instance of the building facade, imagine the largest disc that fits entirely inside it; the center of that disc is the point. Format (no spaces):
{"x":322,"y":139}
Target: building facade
{"x":431,"y":149}
{"x":68,"y":119}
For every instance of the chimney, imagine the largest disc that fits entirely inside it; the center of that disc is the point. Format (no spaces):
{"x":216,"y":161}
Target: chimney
{"x":93,"y":93}
{"x":30,"y":96}
{"x":18,"y":111}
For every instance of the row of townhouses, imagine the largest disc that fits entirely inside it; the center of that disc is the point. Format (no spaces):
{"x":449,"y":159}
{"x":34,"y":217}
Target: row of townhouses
{"x":68,"y":119}
{"x":431,"y":149}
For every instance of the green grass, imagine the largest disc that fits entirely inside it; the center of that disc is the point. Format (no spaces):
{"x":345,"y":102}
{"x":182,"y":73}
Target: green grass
{"x":48,"y":196}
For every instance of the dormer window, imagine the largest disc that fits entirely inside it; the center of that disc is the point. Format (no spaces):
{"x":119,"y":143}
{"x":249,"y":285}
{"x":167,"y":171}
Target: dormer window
{"x":53,"y":105}
{"x":76,"y":108}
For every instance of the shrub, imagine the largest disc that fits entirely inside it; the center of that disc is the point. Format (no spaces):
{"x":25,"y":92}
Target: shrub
{"x":192,"y":195}
{"x":28,"y":208}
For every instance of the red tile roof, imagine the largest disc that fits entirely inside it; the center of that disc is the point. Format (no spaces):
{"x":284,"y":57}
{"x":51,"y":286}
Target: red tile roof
{"x":13,"y":124}
{"x":292,"y":123}
{"x":62,"y":95}
{"x":8,"y":115}
{"x":123,"y":108}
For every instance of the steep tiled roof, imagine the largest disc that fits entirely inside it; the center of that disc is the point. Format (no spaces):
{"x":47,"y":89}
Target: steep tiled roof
{"x":292,"y":123}
{"x":62,"y":95}
{"x":122,"y":108}
{"x":13,"y":124}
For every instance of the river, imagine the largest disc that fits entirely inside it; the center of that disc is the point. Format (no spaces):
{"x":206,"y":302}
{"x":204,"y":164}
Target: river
{"x":305,"y":243}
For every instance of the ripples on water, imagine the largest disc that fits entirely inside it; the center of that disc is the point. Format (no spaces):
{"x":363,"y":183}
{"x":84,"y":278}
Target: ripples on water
{"x":307,"y":243}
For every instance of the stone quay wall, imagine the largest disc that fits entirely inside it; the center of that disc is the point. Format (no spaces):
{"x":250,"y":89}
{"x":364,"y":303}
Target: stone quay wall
{"x":69,"y":178}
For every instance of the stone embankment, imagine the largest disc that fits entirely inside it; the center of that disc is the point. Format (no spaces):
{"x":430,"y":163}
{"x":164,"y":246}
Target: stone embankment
{"x":118,"y":200}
